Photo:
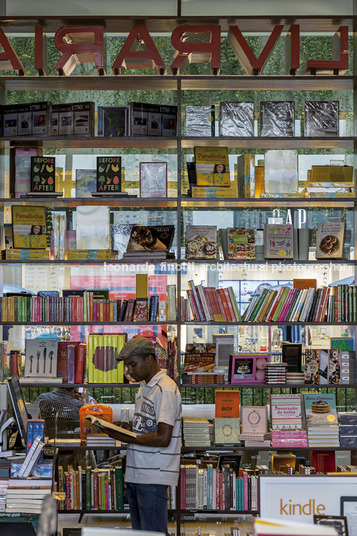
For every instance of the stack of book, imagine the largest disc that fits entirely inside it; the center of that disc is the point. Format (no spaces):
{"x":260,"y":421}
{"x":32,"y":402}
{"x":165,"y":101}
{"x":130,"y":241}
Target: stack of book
{"x":4,"y":482}
{"x":295,"y":378}
{"x":289,"y":438}
{"x":348,"y":429}
{"x":196,"y":432}
{"x":275,"y":373}
{"x":101,"y":440}
{"x":321,"y":420}
{"x":26,"y":495}
{"x":210,"y":304}
{"x":285,"y":412}
{"x":256,"y":440}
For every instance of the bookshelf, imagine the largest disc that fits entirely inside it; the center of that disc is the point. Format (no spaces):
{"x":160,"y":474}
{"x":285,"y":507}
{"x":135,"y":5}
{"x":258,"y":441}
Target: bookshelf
{"x":181,"y":206}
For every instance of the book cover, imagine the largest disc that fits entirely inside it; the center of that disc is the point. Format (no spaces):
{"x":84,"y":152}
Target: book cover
{"x":254,"y":419}
{"x":86,"y":182}
{"x":201,"y":242}
{"x":139,"y":119}
{"x":226,"y":431}
{"x":93,"y":230}
{"x":43,"y":169}
{"x":169,"y":120}
{"x":226,"y":403}
{"x":241,"y":243}
{"x":102,"y":351}
{"x":151,"y":238}
{"x":320,"y":408}
{"x":200,"y":120}
{"x":277,"y":118}
{"x":29,"y":227}
{"x":278,"y":241}
{"x":329,"y":241}
{"x":41,"y":358}
{"x":109,"y":174}
{"x":22,"y":169}
{"x":108,"y":427}
{"x":120,"y":236}
{"x":62,"y":359}
{"x":212,"y":166}
{"x":237,"y":119}
{"x":141,"y":310}
{"x":321,"y":118}
{"x":153,"y":179}
{"x":199,"y":357}
{"x":285,"y":412}
{"x":281,"y":172}
{"x":113,"y":121}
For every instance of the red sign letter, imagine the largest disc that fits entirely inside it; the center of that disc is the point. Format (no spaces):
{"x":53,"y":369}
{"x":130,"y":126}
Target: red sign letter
{"x":40,"y":51}
{"x":9,"y":58}
{"x":139,"y":59}
{"x":242,"y":50}
{"x":339,"y":63}
{"x":79,"y":44}
{"x":197,"y":50}
{"x":293,"y":49}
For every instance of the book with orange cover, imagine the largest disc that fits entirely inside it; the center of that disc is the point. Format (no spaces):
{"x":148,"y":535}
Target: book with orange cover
{"x":305,"y":283}
{"x":226,"y":403}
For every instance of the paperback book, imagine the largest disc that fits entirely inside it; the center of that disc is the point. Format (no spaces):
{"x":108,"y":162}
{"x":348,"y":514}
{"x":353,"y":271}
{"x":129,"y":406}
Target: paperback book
{"x":29,"y":227}
{"x":212,"y":166}
{"x":43,"y":171}
{"x":330,"y":239}
{"x":241,"y":243}
{"x":201,"y":242}
{"x":278,"y":241}
{"x":108,"y":174}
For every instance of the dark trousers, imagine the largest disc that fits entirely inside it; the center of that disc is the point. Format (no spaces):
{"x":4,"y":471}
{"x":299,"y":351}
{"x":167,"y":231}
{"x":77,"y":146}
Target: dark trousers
{"x":148,"y":507}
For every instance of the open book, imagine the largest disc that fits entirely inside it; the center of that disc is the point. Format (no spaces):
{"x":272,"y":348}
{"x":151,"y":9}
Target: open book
{"x":107,"y":427}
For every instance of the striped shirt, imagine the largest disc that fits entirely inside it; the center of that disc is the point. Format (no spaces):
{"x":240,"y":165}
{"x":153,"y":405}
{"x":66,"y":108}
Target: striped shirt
{"x":159,"y":400}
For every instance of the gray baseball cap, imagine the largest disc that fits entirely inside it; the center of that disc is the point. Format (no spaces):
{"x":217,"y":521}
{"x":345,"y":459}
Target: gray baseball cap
{"x":136,"y":346}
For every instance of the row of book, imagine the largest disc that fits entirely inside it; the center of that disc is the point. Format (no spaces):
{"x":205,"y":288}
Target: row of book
{"x":78,"y":119}
{"x":277,"y":119}
{"x":91,"y":489}
{"x":209,"y":488}
{"x":211,"y":304}
{"x":86,"y":309}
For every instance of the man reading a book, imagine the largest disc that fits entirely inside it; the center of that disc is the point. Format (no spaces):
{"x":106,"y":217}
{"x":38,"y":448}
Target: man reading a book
{"x":153,"y":456}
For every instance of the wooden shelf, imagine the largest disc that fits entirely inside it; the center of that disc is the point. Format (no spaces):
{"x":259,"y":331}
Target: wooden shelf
{"x":187,"y":450}
{"x":96,"y":142}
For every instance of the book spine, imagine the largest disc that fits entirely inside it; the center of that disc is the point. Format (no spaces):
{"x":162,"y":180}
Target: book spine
{"x":224,"y":304}
{"x":81,"y":356}
{"x":197,"y":300}
{"x":71,"y":362}
{"x":230,"y":306}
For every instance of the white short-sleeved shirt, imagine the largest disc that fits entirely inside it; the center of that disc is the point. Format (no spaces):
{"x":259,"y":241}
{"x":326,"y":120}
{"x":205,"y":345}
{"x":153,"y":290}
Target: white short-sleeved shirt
{"x":157,"y":401}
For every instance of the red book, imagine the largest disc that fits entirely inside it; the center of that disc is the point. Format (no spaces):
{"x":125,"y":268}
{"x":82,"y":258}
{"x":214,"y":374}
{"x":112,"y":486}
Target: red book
{"x":324,"y":301}
{"x":62,"y":359}
{"x":324,"y":461}
{"x":277,"y":299}
{"x":286,"y":305}
{"x":183,"y":488}
{"x":80,"y":360}
{"x":193,"y":304}
{"x":230,"y":306}
{"x":224,"y":303}
{"x":208,"y":302}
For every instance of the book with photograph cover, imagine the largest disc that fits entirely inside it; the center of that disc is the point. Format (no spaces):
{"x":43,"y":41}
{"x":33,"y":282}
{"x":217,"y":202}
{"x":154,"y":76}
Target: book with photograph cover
{"x":29,"y":227}
{"x":277,"y":118}
{"x":237,"y":119}
{"x":113,"y":121}
{"x":153,"y":179}
{"x":86,"y":182}
{"x":212,"y":166}
{"x":139,"y":119}
{"x":151,"y":238}
{"x":320,"y":408}
{"x":199,"y":357}
{"x":43,"y":170}
{"x":109,"y":174}
{"x":74,"y":118}
{"x":201,"y":242}
{"x":241,"y":243}
{"x":41,"y":358}
{"x":330,"y":239}
{"x":278,"y":241}
{"x":169,"y":120}
{"x":120,"y":235}
{"x":321,"y":118}
{"x":200,"y":120}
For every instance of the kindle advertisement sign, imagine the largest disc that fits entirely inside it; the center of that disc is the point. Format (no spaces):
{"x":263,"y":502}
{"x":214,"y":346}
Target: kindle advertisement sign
{"x":198,"y":43}
{"x":300,"y":497}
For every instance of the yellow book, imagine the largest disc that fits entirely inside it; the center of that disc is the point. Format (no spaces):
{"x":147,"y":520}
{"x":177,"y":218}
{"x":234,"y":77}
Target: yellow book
{"x":141,"y":286}
{"x":212,"y":166}
{"x":29,"y":227}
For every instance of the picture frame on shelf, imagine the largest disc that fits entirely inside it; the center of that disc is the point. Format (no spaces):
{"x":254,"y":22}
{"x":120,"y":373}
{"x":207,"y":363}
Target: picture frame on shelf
{"x":153,"y":179}
{"x":339,"y":523}
{"x":247,"y":368}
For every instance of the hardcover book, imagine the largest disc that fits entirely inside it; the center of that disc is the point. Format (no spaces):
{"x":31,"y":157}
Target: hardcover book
{"x":329,"y":241}
{"x":320,"y":408}
{"x":113,"y":121}
{"x":241,"y":243}
{"x":226,"y":431}
{"x":278,"y":241}
{"x":108,"y":174}
{"x":226,"y":403}
{"x":22,"y":169}
{"x":237,"y":119}
{"x":41,"y":358}
{"x":201,"y":242}
{"x":200,"y":120}
{"x":93,"y":229}
{"x":29,"y":227}
{"x":212,"y":166}
{"x":277,"y":118}
{"x":120,"y":236}
{"x":43,"y":170}
{"x":102,"y":351}
{"x":199,"y":357}
{"x":70,"y":119}
{"x":321,"y":118}
{"x":86,"y":182}
{"x":254,"y":419}
{"x":285,"y":412}
{"x":151,"y":238}
{"x":153,"y":179}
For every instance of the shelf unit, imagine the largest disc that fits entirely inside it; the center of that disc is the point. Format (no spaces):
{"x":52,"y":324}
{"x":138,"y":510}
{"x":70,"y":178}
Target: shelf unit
{"x":181,"y":203}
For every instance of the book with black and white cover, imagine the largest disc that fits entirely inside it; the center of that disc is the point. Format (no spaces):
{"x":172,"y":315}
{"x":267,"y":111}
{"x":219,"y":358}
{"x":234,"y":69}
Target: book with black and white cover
{"x":41,"y":358}
{"x":120,"y":235}
{"x":237,"y":119}
{"x":277,"y":118}
{"x":321,"y":118}
{"x":330,"y":238}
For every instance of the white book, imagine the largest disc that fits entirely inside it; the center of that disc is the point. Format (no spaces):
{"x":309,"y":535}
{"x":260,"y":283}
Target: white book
{"x":250,"y":308}
{"x":307,"y":305}
{"x":299,"y":305}
{"x":298,"y":302}
{"x":93,"y":227}
{"x":31,"y":458}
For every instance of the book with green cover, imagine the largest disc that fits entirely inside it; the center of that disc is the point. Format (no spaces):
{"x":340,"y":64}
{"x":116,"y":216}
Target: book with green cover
{"x":280,"y":304}
{"x":212,"y":166}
